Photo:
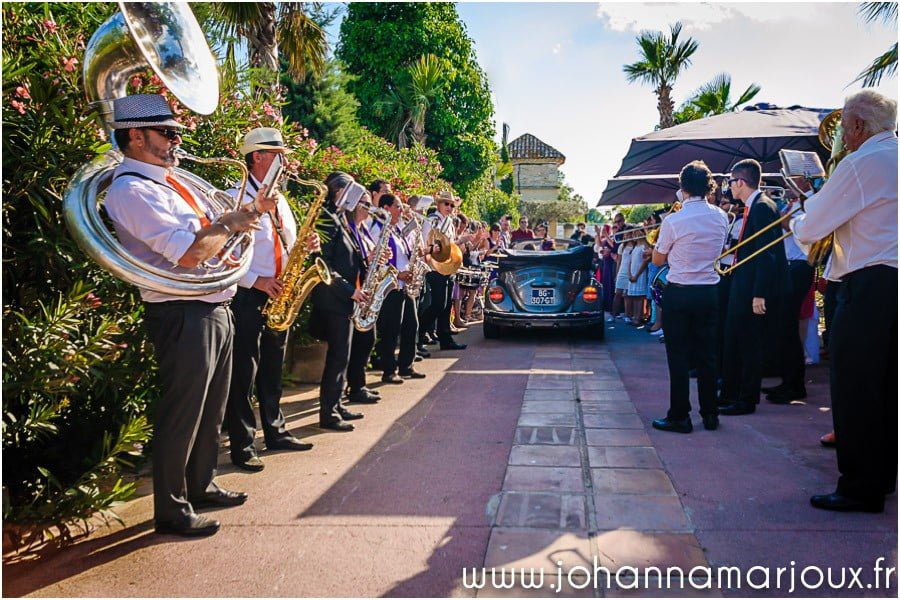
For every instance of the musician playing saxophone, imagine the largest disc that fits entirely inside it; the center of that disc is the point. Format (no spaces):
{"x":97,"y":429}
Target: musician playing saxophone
{"x":859,"y":204}
{"x":161,"y":220}
{"x":259,"y":350}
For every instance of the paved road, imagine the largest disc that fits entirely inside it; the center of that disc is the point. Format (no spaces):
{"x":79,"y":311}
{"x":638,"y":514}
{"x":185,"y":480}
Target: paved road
{"x":530,"y":452}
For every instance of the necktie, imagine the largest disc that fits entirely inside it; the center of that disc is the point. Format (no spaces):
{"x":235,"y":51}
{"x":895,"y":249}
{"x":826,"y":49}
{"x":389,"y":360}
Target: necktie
{"x":276,"y":227}
{"x":185,"y":193}
{"x":743,"y":226}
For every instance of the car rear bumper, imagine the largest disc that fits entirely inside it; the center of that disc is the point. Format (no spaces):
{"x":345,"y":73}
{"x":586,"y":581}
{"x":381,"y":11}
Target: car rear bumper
{"x":543,"y":320}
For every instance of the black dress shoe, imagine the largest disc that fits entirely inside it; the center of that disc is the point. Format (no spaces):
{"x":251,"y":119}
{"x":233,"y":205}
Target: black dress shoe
{"x":785,"y":396}
{"x":219,"y":498}
{"x":738,"y":408}
{"x":711,"y":422}
{"x":190,"y":526}
{"x":452,"y":346}
{"x":249,"y":464}
{"x":349,"y":416}
{"x":336,"y":426}
{"x":667,"y":424}
{"x":412,"y":374}
{"x":289,"y":443}
{"x":391,"y":378}
{"x":772,"y":388}
{"x":363,"y":397}
{"x":841,"y":503}
{"x":418,"y":358}
{"x":424,"y":353}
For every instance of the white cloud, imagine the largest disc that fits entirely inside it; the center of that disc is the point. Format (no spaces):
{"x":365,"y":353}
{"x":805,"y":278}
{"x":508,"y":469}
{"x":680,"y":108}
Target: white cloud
{"x":557,"y":48}
{"x":697,"y":16}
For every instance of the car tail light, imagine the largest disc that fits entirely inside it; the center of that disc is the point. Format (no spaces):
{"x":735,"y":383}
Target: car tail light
{"x":589,"y":294}
{"x":495,"y":293}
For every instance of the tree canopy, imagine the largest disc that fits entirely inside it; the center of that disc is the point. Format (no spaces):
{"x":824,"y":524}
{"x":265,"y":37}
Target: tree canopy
{"x":380,"y":40}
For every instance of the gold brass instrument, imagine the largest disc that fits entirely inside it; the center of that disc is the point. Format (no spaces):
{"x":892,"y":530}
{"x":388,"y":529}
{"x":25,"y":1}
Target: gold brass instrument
{"x":299,"y":280}
{"x":448,"y":258}
{"x":726,"y":270}
{"x":419,"y":266}
{"x":381,"y":278}
{"x":650,"y":232}
{"x":166,"y":37}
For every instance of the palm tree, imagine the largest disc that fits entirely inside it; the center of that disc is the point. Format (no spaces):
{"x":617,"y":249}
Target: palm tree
{"x":409,"y":99}
{"x":266,"y":25}
{"x":662,"y":60}
{"x":886,"y":64}
{"x":714,"y":97}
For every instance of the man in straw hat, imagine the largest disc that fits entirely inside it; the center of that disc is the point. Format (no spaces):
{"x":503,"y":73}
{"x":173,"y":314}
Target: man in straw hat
{"x":259,"y":350}
{"x":162,"y":221}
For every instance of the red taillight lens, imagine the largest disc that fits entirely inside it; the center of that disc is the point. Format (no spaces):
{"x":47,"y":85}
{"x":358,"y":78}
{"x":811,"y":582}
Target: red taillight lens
{"x":495,"y":293}
{"x":589,"y":294}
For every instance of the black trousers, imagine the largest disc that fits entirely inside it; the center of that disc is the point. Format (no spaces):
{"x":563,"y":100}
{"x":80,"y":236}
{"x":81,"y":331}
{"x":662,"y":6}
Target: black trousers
{"x":398,"y":319}
{"x":864,"y":382}
{"x":793,"y":356}
{"x":742,"y":360}
{"x":192,"y":343}
{"x":689,"y":320}
{"x":338,"y":331}
{"x":423,"y":302}
{"x":438,"y":311}
{"x":829,"y":303}
{"x":361,"y":346}
{"x":257,"y":360}
{"x":723,"y":288}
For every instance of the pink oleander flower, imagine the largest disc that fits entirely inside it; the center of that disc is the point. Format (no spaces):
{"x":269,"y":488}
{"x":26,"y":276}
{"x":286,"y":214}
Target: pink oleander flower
{"x":19,"y":106}
{"x":269,"y":109}
{"x":304,"y":132}
{"x":423,"y":160}
{"x":22,"y":92}
{"x":155,"y":80}
{"x":313,"y":144}
{"x":50,"y":25}
{"x":69,"y":63}
{"x":136,"y":81}
{"x":93,"y":301}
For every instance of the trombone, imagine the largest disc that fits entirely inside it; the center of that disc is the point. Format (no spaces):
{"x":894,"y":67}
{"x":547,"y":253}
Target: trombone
{"x":649,"y":232}
{"x":726,"y":270}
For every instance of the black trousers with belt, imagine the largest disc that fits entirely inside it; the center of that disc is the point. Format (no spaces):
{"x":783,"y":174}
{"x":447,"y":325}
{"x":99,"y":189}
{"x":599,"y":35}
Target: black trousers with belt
{"x":257,"y":362}
{"x":361,"y":345}
{"x":689,"y":320}
{"x":398,"y":319}
{"x":192,"y":343}
{"x":863,"y":351}
{"x":793,"y":356}
{"x":337,"y":330}
{"x":438,"y":312}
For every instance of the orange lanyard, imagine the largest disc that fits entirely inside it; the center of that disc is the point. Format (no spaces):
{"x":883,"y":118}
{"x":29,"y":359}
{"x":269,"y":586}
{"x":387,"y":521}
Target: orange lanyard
{"x":185,"y":193}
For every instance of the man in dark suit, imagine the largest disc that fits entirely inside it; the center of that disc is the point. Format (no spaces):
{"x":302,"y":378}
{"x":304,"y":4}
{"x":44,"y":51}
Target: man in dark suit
{"x":333,"y":304}
{"x":757,"y":287}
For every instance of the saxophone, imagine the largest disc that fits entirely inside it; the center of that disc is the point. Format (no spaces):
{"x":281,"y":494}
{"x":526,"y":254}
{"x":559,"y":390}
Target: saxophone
{"x":380,"y":280}
{"x":419,"y":266}
{"x":299,"y":280}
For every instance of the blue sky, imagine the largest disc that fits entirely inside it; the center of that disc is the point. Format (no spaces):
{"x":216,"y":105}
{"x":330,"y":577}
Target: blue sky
{"x":555,"y":69}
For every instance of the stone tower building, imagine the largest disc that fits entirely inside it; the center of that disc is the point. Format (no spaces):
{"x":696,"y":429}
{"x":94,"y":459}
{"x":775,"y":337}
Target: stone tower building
{"x":535,"y":168}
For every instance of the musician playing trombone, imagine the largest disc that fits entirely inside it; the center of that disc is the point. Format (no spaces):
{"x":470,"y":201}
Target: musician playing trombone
{"x":161,"y":220}
{"x":258,"y":350}
{"x":859,"y":204}
{"x":756,"y":287}
{"x":690,"y":240}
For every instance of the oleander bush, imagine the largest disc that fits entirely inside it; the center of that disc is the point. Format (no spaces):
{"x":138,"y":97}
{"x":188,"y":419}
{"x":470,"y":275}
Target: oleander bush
{"x":79,"y":380}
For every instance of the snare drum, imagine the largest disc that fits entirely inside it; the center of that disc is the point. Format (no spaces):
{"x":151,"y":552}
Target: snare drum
{"x":468,"y":277}
{"x":659,"y":283}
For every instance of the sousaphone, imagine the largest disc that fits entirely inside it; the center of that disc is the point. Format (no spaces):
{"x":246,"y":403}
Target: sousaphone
{"x":165,"y":37}
{"x":447,"y":259}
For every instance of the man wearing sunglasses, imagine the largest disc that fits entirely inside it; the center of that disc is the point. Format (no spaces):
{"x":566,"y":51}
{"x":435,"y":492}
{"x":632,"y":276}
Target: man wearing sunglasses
{"x":161,"y":220}
{"x":756,"y":289}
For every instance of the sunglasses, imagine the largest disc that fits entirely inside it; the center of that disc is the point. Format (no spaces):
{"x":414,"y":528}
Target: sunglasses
{"x":446,"y":203}
{"x":734,"y":179}
{"x":169,"y":134}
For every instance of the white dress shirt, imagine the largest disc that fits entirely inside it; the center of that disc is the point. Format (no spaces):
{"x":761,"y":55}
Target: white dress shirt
{"x":263,"y":262}
{"x":859,"y":204}
{"x":154,"y":223}
{"x":692,"y":238}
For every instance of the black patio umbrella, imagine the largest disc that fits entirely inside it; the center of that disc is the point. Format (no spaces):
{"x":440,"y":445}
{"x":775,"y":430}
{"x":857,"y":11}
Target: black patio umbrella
{"x":649,"y":172}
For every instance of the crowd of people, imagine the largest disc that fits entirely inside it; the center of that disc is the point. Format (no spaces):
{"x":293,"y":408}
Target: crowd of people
{"x":216,"y":353}
{"x":732,"y":330}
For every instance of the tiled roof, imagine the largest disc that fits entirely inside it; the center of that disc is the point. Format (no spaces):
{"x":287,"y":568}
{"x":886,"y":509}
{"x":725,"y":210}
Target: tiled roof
{"x":528,"y":146}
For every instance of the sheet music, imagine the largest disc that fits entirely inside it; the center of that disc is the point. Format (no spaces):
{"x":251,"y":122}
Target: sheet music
{"x":797,"y":163}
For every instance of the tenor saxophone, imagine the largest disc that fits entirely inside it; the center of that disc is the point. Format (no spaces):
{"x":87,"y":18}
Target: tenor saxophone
{"x":299,"y":279}
{"x":420,"y":266}
{"x":380,"y":280}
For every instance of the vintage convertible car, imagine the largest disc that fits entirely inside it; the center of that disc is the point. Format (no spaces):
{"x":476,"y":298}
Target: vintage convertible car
{"x":544,"y":289}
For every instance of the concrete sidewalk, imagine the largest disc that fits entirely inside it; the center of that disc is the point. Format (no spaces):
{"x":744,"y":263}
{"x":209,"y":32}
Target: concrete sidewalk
{"x":530,"y":451}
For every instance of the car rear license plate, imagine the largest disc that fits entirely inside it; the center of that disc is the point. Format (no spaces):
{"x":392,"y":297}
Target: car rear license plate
{"x":543,"y":297}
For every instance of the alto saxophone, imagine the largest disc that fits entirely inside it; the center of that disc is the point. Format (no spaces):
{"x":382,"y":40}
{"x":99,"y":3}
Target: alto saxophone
{"x":380,"y":280}
{"x":299,"y":280}
{"x":419,"y":265}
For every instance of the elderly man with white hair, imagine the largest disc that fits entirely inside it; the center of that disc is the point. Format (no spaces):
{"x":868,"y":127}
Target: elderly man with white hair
{"x":859,"y":204}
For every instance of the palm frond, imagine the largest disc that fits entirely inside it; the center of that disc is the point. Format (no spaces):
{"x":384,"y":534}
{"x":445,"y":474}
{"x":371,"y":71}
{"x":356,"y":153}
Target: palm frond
{"x":303,"y":43}
{"x":886,"y":12}
{"x":748,"y":95}
{"x":886,"y":64}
